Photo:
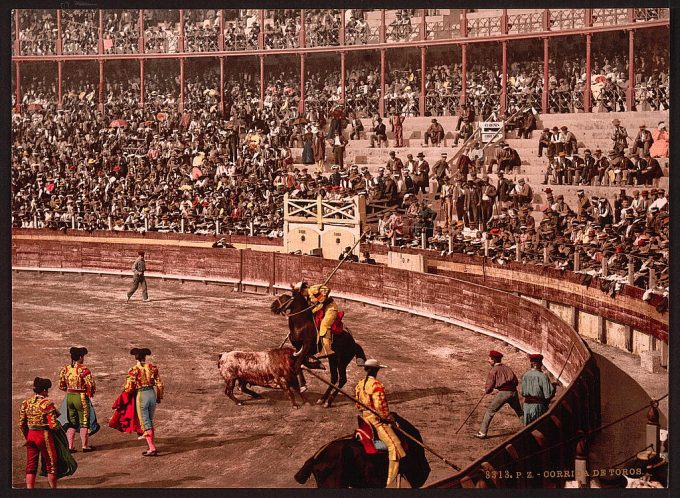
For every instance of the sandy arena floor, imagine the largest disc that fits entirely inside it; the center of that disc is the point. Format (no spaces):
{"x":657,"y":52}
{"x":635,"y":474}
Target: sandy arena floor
{"x":436,"y":375}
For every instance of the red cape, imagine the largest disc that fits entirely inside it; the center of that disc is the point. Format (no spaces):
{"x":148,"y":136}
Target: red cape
{"x":125,"y":418}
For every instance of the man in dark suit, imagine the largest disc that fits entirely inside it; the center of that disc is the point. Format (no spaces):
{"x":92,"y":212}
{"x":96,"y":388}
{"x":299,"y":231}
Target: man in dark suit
{"x":379,"y":133}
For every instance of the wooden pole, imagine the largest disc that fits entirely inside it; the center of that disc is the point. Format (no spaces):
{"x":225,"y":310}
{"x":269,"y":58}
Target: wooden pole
{"x":343,"y":260}
{"x":470,"y":414}
{"x":631,"y":271}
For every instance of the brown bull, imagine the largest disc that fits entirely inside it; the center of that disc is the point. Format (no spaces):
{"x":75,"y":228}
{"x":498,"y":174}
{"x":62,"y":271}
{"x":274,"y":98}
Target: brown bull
{"x":273,"y":368}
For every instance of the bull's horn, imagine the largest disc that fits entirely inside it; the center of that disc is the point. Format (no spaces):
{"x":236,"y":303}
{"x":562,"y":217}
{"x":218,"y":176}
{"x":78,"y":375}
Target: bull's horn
{"x":297,"y":353}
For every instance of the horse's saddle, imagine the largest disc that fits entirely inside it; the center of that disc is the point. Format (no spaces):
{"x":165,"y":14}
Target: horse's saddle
{"x":365,"y":434}
{"x":337,"y":328}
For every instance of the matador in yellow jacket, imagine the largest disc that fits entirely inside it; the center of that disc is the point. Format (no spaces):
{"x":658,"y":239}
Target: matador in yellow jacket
{"x":371,"y":393}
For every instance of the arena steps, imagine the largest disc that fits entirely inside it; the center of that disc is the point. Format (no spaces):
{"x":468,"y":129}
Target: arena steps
{"x":592,"y":131}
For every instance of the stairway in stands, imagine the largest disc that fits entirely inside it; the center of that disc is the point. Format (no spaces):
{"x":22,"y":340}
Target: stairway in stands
{"x":592,"y":131}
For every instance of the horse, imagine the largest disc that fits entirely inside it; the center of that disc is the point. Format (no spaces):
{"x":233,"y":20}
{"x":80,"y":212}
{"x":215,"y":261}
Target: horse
{"x":303,"y":336}
{"x":343,"y":463}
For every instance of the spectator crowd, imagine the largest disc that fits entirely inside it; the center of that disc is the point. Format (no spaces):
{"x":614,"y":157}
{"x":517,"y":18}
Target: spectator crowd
{"x":154,"y":168}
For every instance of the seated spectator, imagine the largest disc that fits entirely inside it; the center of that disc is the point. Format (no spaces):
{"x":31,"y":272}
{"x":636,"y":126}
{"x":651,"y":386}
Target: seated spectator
{"x":465,"y":132}
{"x":367,"y":258}
{"x":660,"y":146}
{"x":643,"y":140}
{"x":544,"y":142}
{"x":357,"y":129}
{"x":379,"y":133}
{"x":347,"y":255}
{"x":434,"y":134}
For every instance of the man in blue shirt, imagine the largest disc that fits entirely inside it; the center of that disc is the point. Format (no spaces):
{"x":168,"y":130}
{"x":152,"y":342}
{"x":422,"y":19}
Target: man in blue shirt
{"x":536,"y":390}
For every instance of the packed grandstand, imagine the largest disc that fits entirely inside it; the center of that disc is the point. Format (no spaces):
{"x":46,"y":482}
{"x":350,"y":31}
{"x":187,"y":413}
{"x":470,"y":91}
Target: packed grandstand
{"x":109,"y":133}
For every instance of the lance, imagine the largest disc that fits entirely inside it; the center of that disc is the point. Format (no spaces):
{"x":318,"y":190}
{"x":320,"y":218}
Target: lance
{"x":344,"y":259}
{"x":382,"y":419}
{"x":565,"y":362}
{"x":470,"y":415}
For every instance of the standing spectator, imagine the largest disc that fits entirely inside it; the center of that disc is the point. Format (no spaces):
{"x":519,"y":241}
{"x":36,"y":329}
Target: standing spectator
{"x":660,"y":146}
{"x":440,"y":169}
{"x":502,"y":378}
{"x":394,"y":164}
{"x":536,"y":390}
{"x":139,"y":267}
{"x":527,"y":124}
{"x":307,"y":147}
{"x":619,"y":136}
{"x":339,"y":144}
{"x":588,"y":168}
{"x":397,"y":124}
{"x":422,"y":174}
{"x":319,"y":149}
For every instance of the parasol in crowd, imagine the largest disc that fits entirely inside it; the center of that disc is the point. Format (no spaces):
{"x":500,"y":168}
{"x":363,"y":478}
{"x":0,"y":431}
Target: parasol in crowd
{"x":35,"y":107}
{"x":118,"y":123}
{"x":161,"y":116}
{"x":198,"y":160}
{"x":300,"y":121}
{"x":196,"y":174}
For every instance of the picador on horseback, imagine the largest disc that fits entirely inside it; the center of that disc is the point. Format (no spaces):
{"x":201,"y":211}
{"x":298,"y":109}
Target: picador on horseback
{"x":373,"y":456}
{"x":325,"y":313}
{"x":307,"y":328}
{"x":371,"y":393}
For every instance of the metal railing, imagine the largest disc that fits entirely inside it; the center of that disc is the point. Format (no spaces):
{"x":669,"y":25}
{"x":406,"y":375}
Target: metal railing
{"x":653,"y":98}
{"x":525,"y":23}
{"x":567,"y":19}
{"x":442,"y":105}
{"x":484,"y":26}
{"x":609,"y":17}
{"x":441,"y":30}
{"x":362,"y":104}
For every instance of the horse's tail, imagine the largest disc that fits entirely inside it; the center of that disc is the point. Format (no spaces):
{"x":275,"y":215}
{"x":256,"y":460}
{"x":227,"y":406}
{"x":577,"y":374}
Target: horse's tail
{"x":359,"y":352}
{"x":306,"y":471}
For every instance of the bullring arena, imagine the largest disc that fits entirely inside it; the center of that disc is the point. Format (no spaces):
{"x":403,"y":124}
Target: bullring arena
{"x":230,"y":153}
{"x":435,"y":375}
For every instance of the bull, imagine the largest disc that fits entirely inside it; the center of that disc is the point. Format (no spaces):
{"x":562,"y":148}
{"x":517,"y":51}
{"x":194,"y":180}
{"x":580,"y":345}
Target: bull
{"x":274,"y":369}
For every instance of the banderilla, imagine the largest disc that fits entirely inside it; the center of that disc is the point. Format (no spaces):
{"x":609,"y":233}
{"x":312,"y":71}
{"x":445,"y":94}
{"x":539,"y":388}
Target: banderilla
{"x":470,"y":415}
{"x":383,"y":420}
